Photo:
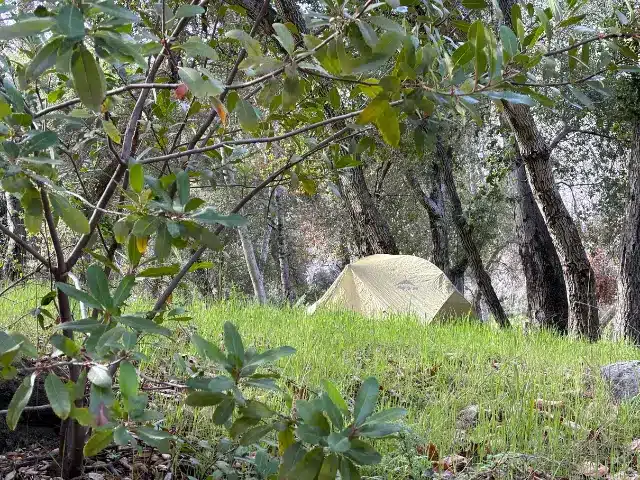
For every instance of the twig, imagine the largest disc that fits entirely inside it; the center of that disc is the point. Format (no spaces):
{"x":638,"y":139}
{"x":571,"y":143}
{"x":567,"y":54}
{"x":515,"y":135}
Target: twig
{"x":25,"y":246}
{"x":36,"y":408}
{"x":591,"y":39}
{"x":21,"y":279}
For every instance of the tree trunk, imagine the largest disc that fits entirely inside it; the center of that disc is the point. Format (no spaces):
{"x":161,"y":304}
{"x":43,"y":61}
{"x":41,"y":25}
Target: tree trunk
{"x":464,"y":232}
{"x":578,"y":274}
{"x":627,"y":322}
{"x":257,"y":280}
{"x":370,"y":230}
{"x":546,"y":293}
{"x":14,"y":257}
{"x":434,"y":204}
{"x":283,"y":248}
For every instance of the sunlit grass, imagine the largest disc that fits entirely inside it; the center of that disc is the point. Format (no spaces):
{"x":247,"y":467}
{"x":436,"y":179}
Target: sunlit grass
{"x":435,"y":370}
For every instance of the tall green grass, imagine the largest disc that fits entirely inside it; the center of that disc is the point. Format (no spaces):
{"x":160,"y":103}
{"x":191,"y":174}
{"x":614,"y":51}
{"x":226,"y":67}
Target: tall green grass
{"x":435,"y":371}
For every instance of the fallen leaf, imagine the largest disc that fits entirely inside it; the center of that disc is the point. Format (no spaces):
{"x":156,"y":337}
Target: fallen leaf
{"x":592,"y":470}
{"x":635,"y":445}
{"x":452,"y":463}
{"x":429,"y":450}
{"x":548,"y":405}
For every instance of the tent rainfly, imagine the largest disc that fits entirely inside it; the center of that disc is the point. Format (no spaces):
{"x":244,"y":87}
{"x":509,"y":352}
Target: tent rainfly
{"x":381,"y":284}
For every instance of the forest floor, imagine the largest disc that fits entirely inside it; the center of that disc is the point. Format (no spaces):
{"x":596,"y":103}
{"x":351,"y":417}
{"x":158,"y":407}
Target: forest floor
{"x":483,"y":403}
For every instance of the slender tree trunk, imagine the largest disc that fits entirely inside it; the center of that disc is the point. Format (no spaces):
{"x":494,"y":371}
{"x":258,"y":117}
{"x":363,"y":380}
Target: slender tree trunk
{"x":257,"y":279}
{"x":546,"y":293}
{"x":483,"y":279}
{"x":627,"y":322}
{"x":370,"y":230}
{"x":578,"y":274}
{"x":283,"y":248}
{"x":14,"y":256}
{"x":434,"y":204}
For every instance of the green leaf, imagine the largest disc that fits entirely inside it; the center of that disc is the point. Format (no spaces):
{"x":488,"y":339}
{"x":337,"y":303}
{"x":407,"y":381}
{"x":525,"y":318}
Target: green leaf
{"x":509,"y":42}
{"x":123,"y":290}
{"x":246,"y":115}
{"x":20,"y":400}
{"x":65,"y":345}
{"x":462,"y":55}
{"x":581,"y":96}
{"x":121,"y":436}
{"x":329,"y":468}
{"x":201,"y":82}
{"x":155,"y":438}
{"x":70,"y":22}
{"x":233,"y":341}
{"x":224,"y":411}
{"x":362,"y":453}
{"x":188,"y":11}
{"x":116,"y":11}
{"x":100,"y":440}
{"x":128,"y":380}
{"x":45,"y":58}
{"x":389,"y":126}
{"x":388,"y":415}
{"x":84,"y":325}
{"x":194,"y":46}
{"x":368,"y":33}
{"x":58,"y":396}
{"x":143,"y":325}
{"x":220,"y":384}
{"x":474,"y":4}
{"x":73,"y":217}
{"x":512,"y":97}
{"x":309,"y":466}
{"x":270,"y":356}
{"x":338,"y":443}
{"x":99,"y":285}
{"x":204,"y":399}
{"x":99,"y":376}
{"x":182,"y":182}
{"x":157,"y":272}
{"x":25,"y":28}
{"x":283,"y":35}
{"x":256,"y":409}
{"x":79,"y":295}
{"x":82,"y":415}
{"x":162,"y":246}
{"x":348,"y":471}
{"x":88,"y":80}
{"x":366,"y":400}
{"x":136,"y":177}
{"x":335,"y":396}
{"x":254,"y":435}
{"x":209,"y":216}
{"x":38,"y":141}
{"x":251,"y":45}
{"x":111,"y":130}
{"x":379,"y":430}
{"x":386,"y":24}
{"x":208,"y":350}
{"x":121,"y":230}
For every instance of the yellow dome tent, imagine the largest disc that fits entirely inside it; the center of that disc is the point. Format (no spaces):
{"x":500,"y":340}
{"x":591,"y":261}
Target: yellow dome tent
{"x":382,"y":284}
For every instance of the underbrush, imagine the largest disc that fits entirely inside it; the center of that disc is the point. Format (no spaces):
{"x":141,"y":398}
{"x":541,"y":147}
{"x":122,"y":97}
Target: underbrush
{"x":541,"y":405}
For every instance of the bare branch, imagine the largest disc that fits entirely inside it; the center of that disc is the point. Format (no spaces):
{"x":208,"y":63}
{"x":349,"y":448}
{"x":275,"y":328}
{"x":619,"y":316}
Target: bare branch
{"x":53,"y":231}
{"x":597,"y":38}
{"x":568,"y":130}
{"x":253,"y":141}
{"x":20,"y":241}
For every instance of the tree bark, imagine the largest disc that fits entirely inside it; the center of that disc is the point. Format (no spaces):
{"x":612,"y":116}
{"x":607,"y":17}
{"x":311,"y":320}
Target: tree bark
{"x":14,"y":257}
{"x":434,"y":204}
{"x":283,"y":248}
{"x":578,"y":274}
{"x":483,"y":279}
{"x":627,"y":322}
{"x":546,"y":292}
{"x":370,"y":230}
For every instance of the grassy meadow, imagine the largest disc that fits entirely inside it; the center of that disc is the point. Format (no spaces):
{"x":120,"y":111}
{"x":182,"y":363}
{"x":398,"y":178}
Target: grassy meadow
{"x":435,"y":371}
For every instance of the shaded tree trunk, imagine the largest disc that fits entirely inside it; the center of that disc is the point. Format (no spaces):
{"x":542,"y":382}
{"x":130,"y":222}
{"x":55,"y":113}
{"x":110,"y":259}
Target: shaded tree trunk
{"x":14,"y":257}
{"x":627,"y":322}
{"x":483,"y":279}
{"x":433,"y":203}
{"x":578,"y":274}
{"x":370,"y":230}
{"x":283,"y":248}
{"x":546,"y":293}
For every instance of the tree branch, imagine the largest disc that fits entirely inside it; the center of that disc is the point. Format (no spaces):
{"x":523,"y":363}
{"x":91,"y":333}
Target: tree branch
{"x":560,"y":84}
{"x":265,"y":183}
{"x":252,"y":141}
{"x":115,"y":91}
{"x":597,"y":38}
{"x":20,"y":241}
{"x":567,"y":130}
{"x":53,"y":231}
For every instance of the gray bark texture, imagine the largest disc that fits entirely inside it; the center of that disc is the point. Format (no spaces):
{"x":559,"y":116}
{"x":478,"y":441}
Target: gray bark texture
{"x":14,"y":257}
{"x":283,"y":248}
{"x":371,"y":233}
{"x":578,"y":274}
{"x":627,"y":322}
{"x":546,"y":292}
{"x":444,"y":154}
